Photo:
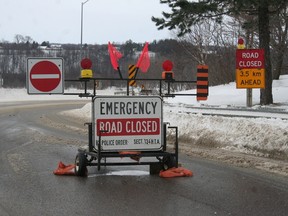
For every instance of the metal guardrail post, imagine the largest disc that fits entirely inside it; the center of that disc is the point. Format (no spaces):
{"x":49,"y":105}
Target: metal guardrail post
{"x":165,"y":135}
{"x":127,"y":88}
{"x":176,"y":143}
{"x":94,"y":87}
{"x":176,"y":146}
{"x":99,"y":148}
{"x":99,"y":152}
{"x":90,"y":145}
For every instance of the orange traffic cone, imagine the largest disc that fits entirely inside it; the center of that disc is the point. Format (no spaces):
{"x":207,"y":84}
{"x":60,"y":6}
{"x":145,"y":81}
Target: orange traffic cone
{"x":135,"y":153}
{"x":175,"y":172}
{"x":64,"y":169}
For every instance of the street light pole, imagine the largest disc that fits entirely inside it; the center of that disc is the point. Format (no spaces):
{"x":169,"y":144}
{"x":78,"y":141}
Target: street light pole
{"x":82,"y":4}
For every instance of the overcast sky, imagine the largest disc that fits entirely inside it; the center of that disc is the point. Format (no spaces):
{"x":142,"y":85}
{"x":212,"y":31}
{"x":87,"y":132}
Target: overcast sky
{"x":59,"y":21}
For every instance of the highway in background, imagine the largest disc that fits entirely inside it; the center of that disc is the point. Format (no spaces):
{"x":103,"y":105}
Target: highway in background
{"x":243,"y":112}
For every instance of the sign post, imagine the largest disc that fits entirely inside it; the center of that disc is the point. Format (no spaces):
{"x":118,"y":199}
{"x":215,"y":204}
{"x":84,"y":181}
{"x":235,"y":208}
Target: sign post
{"x":45,"y":76}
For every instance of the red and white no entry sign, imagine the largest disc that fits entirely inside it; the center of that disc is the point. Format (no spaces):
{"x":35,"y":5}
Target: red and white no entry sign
{"x":45,"y":76}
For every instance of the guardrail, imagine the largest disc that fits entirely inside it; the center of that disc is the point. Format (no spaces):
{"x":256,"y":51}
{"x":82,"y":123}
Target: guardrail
{"x":164,"y":86}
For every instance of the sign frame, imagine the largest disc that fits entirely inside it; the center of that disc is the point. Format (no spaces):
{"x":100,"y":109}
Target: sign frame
{"x":128,"y":123}
{"x":43,"y":78}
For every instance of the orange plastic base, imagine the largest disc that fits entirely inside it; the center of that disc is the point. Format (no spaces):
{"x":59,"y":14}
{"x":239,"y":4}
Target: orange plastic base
{"x":64,"y":169}
{"x":175,"y":172}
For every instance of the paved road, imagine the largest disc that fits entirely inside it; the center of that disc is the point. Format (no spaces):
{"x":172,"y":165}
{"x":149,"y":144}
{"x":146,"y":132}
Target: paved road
{"x":34,"y":138}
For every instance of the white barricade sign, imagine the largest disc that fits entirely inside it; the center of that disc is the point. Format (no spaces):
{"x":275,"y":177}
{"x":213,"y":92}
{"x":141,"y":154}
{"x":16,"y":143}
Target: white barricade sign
{"x":128,"y":123}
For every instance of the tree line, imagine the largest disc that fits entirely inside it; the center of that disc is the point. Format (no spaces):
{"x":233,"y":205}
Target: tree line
{"x":13,"y":58}
{"x":206,"y":43}
{"x":263,"y":22}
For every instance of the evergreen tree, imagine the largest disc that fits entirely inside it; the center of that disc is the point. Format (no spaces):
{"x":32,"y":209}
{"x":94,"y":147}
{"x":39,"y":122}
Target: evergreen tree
{"x":185,"y":13}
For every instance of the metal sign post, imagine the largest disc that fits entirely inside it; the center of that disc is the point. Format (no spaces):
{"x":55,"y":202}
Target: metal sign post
{"x":249,"y":97}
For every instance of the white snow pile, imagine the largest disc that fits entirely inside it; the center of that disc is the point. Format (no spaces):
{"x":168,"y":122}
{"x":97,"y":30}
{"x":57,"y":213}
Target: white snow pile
{"x":259,"y":136}
{"x":8,"y":95}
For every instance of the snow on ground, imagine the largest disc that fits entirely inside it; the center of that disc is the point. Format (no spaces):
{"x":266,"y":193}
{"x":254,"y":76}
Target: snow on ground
{"x":253,"y":136}
{"x":260,"y":136}
{"x":8,"y":95}
{"x":229,"y":96}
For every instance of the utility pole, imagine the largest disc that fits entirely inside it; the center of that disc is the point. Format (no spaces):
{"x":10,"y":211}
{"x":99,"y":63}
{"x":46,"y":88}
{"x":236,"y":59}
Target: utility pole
{"x":81,"y":42}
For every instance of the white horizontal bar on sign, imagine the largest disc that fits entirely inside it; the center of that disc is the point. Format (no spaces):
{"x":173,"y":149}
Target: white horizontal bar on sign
{"x":45,"y":76}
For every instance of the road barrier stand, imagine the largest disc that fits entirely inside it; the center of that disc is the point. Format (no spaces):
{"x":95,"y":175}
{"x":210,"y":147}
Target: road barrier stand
{"x":122,"y":126}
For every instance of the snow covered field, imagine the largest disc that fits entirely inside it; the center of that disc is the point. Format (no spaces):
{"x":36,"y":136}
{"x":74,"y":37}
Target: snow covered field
{"x":264,"y":137}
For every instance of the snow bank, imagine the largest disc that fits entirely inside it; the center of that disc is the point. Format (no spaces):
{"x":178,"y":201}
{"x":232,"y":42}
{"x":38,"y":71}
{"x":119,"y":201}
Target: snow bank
{"x":8,"y":95}
{"x":258,"y":136}
{"x":229,"y":96}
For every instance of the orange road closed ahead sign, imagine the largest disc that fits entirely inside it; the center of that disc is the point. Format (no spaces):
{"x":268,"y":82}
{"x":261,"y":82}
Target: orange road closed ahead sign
{"x":250,"y":68}
{"x":250,"y":78}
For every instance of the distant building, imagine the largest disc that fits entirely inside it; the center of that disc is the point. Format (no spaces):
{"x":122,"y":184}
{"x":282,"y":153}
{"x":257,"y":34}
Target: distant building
{"x":52,"y":49}
{"x":136,"y":55}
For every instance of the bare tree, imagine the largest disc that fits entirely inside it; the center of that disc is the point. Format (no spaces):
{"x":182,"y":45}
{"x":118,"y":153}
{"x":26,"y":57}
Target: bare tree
{"x":212,"y":44}
{"x":19,"y":39}
{"x":279,"y":30}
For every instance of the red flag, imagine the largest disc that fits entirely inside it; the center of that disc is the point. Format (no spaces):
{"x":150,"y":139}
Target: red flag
{"x":144,"y":59}
{"x":115,"y":55}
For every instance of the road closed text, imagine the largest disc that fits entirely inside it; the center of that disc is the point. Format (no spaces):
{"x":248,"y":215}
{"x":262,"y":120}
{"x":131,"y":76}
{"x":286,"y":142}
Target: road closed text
{"x":250,"y":58}
{"x":128,"y":127}
{"x":250,"y":64}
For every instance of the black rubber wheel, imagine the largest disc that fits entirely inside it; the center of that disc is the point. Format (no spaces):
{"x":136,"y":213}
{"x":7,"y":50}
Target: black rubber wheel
{"x":81,"y":165}
{"x":169,"y":162}
{"x":155,"y":168}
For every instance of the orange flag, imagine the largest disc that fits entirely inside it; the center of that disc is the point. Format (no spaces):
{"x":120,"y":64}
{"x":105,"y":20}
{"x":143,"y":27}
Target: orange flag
{"x":115,"y":55}
{"x":144,"y":59}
